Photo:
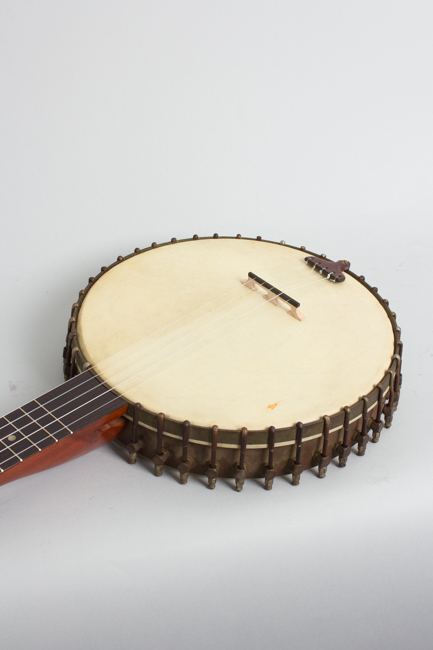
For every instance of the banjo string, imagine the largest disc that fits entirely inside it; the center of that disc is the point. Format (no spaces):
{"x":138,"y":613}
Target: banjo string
{"x":178,"y":339}
{"x":177,"y":362}
{"x":191,"y":313}
{"x":179,"y":329}
{"x":162,"y":371}
{"x":139,"y":362}
{"x":157,"y":363}
{"x":160,"y":339}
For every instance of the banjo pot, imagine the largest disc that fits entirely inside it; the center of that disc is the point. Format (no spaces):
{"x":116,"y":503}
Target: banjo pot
{"x":237,"y":358}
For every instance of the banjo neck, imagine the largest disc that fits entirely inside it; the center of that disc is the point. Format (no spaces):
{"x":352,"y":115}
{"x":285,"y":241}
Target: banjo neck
{"x":68,"y":421}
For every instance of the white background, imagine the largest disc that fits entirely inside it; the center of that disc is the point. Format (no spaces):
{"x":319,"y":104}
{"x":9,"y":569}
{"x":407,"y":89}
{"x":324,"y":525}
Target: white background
{"x":124,"y":123}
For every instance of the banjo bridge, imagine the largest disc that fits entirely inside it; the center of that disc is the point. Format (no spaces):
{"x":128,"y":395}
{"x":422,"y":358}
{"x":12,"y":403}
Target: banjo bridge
{"x":274,"y":295}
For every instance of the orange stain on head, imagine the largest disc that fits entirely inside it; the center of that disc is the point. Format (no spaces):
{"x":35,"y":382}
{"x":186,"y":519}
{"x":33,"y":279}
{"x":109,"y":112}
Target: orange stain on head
{"x":271,"y":407}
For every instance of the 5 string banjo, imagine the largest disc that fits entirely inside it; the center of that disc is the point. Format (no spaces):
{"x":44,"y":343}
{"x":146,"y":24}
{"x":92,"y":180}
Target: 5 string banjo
{"x":223,"y":356}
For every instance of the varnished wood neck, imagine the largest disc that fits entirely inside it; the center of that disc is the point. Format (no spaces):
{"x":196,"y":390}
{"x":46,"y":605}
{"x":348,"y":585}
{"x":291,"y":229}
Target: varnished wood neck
{"x":67,"y":422}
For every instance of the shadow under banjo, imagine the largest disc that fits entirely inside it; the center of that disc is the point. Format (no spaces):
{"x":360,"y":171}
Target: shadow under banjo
{"x":186,"y":356}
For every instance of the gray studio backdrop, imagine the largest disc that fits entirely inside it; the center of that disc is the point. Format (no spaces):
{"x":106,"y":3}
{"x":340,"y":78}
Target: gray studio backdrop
{"x":125,"y":123}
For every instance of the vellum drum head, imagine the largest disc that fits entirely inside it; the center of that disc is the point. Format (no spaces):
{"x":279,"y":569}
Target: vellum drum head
{"x":175,"y":329}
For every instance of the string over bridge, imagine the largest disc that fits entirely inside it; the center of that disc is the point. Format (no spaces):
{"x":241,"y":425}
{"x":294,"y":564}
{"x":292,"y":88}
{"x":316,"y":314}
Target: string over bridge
{"x":274,"y":295}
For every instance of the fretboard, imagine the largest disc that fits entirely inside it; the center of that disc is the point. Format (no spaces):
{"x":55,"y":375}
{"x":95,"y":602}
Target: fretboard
{"x":55,"y":415}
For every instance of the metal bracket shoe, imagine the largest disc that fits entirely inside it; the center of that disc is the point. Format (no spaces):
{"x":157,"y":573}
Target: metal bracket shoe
{"x":133,"y":449}
{"x":377,"y":427}
{"x":212,"y":471}
{"x":362,"y":436}
{"x":269,"y":478}
{"x":240,"y":471}
{"x":212,"y":475}
{"x":240,"y":476}
{"x":184,"y":468}
{"x":186,"y":463}
{"x":388,"y":412}
{"x":159,"y":460}
{"x":296,"y":474}
{"x":343,"y":453}
{"x":136,"y":441}
{"x":322,"y":459}
{"x":322,"y":465}
{"x":362,"y":441}
{"x":343,"y":449}
{"x":268,"y":470}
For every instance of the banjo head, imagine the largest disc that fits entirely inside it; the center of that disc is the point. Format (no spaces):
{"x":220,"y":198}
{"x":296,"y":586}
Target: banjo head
{"x":175,"y":328}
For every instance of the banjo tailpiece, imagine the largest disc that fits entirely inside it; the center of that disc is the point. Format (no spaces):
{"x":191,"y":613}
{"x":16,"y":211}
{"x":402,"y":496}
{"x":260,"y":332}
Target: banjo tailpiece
{"x":332,"y":270}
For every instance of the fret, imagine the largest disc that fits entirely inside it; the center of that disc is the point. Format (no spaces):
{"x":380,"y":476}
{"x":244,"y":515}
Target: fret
{"x":10,"y":438}
{"x":85,"y":401}
{"x":15,"y":446}
{"x":80,"y":389}
{"x":22,"y":441}
{"x":36,"y":425}
{"x":45,"y":411}
{"x":86,"y":409}
{"x":7,"y":459}
{"x":43,"y":422}
{"x":41,"y":427}
{"x":12,"y":452}
{"x":26,"y":431}
{"x":14,"y":441}
{"x":49,"y":426}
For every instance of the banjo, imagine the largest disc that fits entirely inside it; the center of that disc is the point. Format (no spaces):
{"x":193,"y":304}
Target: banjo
{"x":222,"y":356}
